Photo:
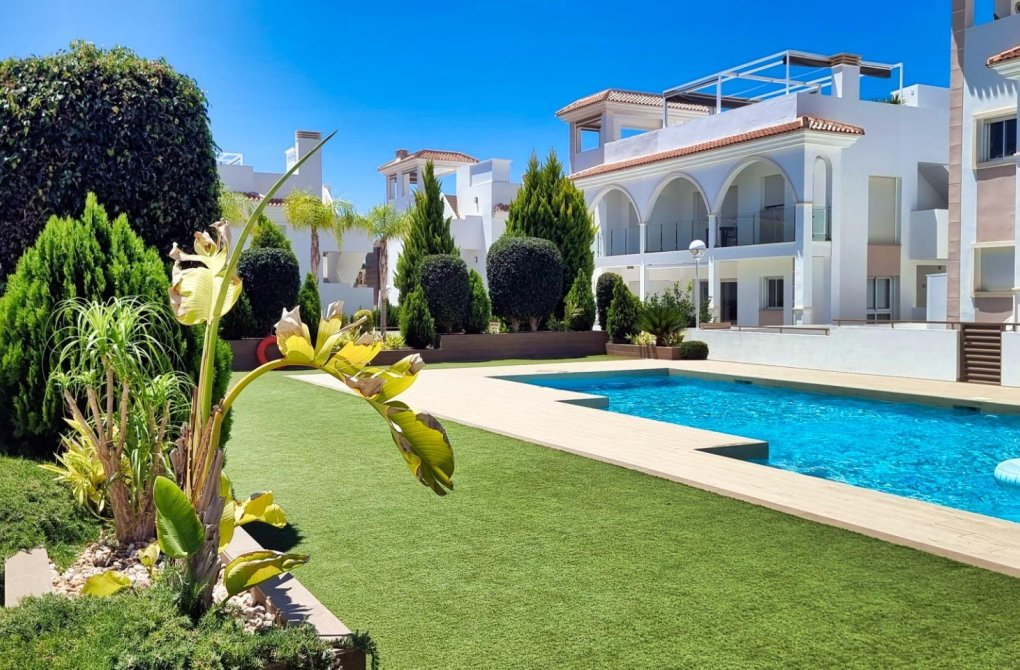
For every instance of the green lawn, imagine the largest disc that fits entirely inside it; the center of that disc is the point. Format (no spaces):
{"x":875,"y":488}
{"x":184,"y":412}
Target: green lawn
{"x":542,"y":559}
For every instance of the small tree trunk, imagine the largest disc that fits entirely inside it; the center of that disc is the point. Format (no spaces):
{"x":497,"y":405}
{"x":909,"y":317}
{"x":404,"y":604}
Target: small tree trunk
{"x":316,"y":256}
{"x":384,"y":297}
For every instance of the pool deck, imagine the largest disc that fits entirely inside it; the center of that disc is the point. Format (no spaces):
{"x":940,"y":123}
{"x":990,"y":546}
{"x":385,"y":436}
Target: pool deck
{"x":478,"y":397}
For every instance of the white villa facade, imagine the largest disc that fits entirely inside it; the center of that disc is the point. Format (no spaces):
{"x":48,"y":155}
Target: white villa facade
{"x":346,"y":274}
{"x":815,"y":203}
{"x":478,"y":208}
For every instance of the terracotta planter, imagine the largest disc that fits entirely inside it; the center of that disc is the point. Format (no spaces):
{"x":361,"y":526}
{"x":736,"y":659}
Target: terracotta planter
{"x":643,"y":351}
{"x":463,"y":348}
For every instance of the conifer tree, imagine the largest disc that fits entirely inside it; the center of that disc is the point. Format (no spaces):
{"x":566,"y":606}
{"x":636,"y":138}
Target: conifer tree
{"x":429,"y":233}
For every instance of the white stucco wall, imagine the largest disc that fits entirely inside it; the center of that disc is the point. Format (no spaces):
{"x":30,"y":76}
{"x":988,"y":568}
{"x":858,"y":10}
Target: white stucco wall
{"x":901,"y":352}
{"x":1010,"y":358}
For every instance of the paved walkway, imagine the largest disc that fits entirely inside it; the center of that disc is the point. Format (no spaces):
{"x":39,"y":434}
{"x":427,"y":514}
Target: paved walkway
{"x":476,"y":397}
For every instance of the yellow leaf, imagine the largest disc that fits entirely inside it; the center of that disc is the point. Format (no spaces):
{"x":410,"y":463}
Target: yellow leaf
{"x":106,"y":584}
{"x":149,"y":555}
{"x":255,"y":567}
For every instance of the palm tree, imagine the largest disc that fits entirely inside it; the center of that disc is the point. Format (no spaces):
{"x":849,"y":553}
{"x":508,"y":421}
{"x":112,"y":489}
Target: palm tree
{"x":385,"y":224}
{"x":305,"y":211}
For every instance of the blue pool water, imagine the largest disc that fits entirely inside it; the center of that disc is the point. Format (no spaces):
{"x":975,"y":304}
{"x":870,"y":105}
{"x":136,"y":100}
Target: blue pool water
{"x":941,"y":455}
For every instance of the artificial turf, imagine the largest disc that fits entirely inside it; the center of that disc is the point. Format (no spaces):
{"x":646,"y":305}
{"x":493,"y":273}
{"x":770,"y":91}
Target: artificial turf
{"x":542,"y":559}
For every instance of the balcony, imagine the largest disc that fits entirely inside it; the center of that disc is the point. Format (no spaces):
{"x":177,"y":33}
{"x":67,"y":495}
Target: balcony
{"x":821,"y":224}
{"x":769,"y":226}
{"x":676,"y":236}
{"x":619,"y":241}
{"x":929,"y":235}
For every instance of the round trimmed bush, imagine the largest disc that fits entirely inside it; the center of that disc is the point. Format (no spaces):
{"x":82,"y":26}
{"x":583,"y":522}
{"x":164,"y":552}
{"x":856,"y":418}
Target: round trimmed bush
{"x":271,"y":279}
{"x":604,"y":296}
{"x":624,"y":312}
{"x":416,"y":324}
{"x":579,"y":309}
{"x":694,"y":350}
{"x":128,"y":129}
{"x":525,"y":279}
{"x":444,"y":279}
{"x":369,"y":315}
{"x":88,"y":257}
{"x":480,"y":309}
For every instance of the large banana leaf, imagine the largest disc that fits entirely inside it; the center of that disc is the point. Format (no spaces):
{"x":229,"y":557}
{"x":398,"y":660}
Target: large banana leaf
{"x":423,"y":443}
{"x":260,"y":508}
{"x":106,"y":584}
{"x":255,"y":567}
{"x":178,"y":528}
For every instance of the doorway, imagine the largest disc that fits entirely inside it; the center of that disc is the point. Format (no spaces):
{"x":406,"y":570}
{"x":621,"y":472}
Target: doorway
{"x":728,"y":301}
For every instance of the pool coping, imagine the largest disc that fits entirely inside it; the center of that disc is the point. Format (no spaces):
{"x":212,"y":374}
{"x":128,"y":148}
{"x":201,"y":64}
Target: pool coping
{"x":565,"y":421}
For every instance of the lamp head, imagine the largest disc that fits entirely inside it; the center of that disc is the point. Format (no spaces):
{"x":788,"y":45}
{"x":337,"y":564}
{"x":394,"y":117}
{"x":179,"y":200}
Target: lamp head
{"x":697,"y":249}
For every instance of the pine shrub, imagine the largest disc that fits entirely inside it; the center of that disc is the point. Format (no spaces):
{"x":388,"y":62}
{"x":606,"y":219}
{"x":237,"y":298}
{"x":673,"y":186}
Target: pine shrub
{"x":623,"y":314}
{"x":128,"y":129}
{"x":429,"y":232}
{"x":525,"y":275}
{"x":447,"y":287}
{"x":268,"y":235}
{"x":416,"y":324}
{"x":311,"y":305}
{"x":579,"y":313}
{"x":604,"y":296}
{"x":272,"y":280}
{"x":480,"y":309}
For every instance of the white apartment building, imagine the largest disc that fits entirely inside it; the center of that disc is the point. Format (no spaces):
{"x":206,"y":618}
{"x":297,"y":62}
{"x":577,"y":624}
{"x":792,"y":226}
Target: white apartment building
{"x":477,"y":209}
{"x":346,"y":264}
{"x":815,"y":202}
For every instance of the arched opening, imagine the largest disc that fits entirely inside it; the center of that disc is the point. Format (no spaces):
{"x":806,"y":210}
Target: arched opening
{"x":756,"y":206}
{"x":617,"y":221}
{"x":679,"y":216}
{"x":821,"y":189}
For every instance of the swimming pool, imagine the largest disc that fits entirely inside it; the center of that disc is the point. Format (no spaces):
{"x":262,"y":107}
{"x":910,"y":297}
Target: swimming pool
{"x":940,"y":455}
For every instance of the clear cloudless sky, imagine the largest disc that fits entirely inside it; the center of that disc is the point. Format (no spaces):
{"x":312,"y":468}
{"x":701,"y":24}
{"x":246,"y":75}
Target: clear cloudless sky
{"x":480,"y":77}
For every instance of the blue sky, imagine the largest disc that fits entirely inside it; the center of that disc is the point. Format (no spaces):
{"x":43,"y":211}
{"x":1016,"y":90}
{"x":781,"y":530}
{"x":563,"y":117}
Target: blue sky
{"x":480,"y":77}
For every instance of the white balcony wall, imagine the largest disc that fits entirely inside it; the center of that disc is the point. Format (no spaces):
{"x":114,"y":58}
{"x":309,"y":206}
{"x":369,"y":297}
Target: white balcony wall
{"x":929,"y":235}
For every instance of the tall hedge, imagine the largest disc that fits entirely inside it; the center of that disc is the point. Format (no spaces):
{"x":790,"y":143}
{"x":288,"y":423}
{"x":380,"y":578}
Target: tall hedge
{"x":444,"y":280}
{"x":271,"y":279}
{"x":268,"y":235}
{"x":311,"y":305}
{"x":579,"y":312}
{"x":86,"y":257}
{"x":428,"y":232}
{"x":604,"y":296}
{"x":416,"y":324}
{"x":525,"y":279}
{"x":480,"y":307}
{"x":624,"y":311}
{"x":130,"y":130}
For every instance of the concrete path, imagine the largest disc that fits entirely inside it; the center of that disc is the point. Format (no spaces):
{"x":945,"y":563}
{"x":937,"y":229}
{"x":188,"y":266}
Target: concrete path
{"x":477,"y":397}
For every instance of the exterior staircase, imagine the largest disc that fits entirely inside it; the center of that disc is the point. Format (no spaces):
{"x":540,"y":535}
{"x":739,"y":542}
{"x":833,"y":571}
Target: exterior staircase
{"x":981,"y":353}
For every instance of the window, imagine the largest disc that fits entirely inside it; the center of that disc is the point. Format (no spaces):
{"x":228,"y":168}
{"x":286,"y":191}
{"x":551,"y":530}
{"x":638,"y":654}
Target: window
{"x":772,"y":293}
{"x":1000,"y":139}
{"x":882,"y":209}
{"x":591,"y":138}
{"x":994,"y":268}
{"x":880,"y":299}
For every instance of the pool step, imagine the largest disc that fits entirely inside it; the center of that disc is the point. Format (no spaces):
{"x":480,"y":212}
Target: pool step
{"x":981,"y":353}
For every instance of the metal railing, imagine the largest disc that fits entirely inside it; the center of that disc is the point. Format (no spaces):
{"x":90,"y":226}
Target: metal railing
{"x":675,"y":236}
{"x":768,"y":226}
{"x":905,"y":323}
{"x":821,"y":224}
{"x":800,"y":330}
{"x":619,"y":241}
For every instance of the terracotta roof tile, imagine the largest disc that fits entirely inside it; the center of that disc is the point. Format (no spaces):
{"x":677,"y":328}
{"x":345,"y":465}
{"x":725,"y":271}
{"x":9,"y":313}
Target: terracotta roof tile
{"x":500,"y":207}
{"x":800,"y":123}
{"x":252,"y":195}
{"x":433,"y":155}
{"x":452,"y":199}
{"x":1007,"y":55}
{"x":631,"y":97}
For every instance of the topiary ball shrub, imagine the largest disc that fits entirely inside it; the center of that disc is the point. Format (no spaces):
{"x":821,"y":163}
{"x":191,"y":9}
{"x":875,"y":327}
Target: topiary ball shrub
{"x":623,"y":316}
{"x":444,"y":280}
{"x":311,"y":305}
{"x":88,"y":257}
{"x":272,"y":280}
{"x":416,"y":324}
{"x":369,"y":325}
{"x":128,"y":129}
{"x":579,"y":310}
{"x":480,"y":308}
{"x":694,"y":350}
{"x":604,"y":296}
{"x":239,"y":323}
{"x":525,"y":279}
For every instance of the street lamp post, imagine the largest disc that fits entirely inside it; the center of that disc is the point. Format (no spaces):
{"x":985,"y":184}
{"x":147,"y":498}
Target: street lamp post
{"x":697,"y":250}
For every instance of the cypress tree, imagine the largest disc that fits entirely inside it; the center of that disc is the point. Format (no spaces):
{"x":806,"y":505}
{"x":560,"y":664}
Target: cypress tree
{"x":429,"y":233}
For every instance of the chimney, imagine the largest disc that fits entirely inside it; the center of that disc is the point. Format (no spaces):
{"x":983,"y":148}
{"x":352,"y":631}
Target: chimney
{"x":401,"y":153}
{"x":846,"y":76}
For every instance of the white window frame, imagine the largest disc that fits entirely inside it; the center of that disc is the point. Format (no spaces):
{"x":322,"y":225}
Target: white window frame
{"x":872,"y":311}
{"x":766,"y":294}
{"x":984,"y":154}
{"x":979,"y":289}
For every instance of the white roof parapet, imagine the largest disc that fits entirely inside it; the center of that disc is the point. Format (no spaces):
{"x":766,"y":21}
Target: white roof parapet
{"x":230,"y":158}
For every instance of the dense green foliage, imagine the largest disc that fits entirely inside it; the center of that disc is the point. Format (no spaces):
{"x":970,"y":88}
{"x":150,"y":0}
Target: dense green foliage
{"x":131,"y":130}
{"x":272,"y":280}
{"x":370,"y":320}
{"x":681,"y":300}
{"x":549,"y":206}
{"x":580,"y":547}
{"x":480,"y":307}
{"x":144,"y":630}
{"x":693,"y":350}
{"x":268,"y":235}
{"x":664,"y":321}
{"x":311,"y":305}
{"x":36,"y":510}
{"x":524,"y":279}
{"x":416,"y":324}
{"x":428,"y":232}
{"x":622,"y":321}
{"x":86,"y":257}
{"x":239,"y":322}
{"x":579,"y":312}
{"x":607,"y":281}
{"x":444,"y":280}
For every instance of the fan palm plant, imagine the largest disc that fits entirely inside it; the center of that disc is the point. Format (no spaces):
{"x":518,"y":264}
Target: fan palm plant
{"x":305,"y":211}
{"x":385,"y":224}
{"x":664,"y":321}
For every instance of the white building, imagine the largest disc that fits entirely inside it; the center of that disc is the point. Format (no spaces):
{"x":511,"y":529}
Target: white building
{"x":816,"y":204}
{"x":347,"y":264}
{"x":477,"y":209}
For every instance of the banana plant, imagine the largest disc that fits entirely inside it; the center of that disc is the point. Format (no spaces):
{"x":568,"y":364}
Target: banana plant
{"x":192,"y":510}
